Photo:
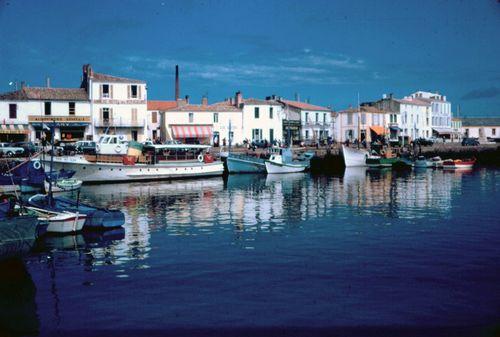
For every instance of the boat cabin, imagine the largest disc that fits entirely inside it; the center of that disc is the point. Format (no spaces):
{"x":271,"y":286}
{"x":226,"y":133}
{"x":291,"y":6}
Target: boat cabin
{"x":283,"y":155}
{"x":169,"y":152}
{"x":112,"y":144}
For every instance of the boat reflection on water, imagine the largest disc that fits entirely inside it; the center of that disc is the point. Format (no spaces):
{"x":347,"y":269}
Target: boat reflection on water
{"x":18,"y":309}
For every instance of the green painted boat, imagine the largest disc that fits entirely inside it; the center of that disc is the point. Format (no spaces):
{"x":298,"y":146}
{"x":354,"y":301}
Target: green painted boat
{"x":381,"y":162}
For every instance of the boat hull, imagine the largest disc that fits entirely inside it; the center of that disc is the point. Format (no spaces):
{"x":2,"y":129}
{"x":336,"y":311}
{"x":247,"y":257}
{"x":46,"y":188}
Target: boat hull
{"x":245,"y":165}
{"x":354,"y":157}
{"x":381,"y":162}
{"x":65,"y":223}
{"x":276,"y":168}
{"x":116,"y":172}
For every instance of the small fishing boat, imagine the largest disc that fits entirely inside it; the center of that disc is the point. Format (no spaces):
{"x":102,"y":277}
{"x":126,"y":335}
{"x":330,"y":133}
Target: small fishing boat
{"x":354,"y":157}
{"x":402,"y":163}
{"x":60,"y":222}
{"x":244,"y":163}
{"x":437,"y":162}
{"x":458,"y":164}
{"x":281,"y":161}
{"x":378,"y":162}
{"x":96,"y":217}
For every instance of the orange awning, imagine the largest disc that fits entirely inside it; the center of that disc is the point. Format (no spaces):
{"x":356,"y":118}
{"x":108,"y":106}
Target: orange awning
{"x":379,"y":130}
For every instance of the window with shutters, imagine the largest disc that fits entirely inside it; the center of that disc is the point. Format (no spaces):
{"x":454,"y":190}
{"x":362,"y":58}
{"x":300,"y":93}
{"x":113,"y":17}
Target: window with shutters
{"x":105,"y":114}
{"x":12,"y":110}
{"x":133,"y":91}
{"x":270,"y":113}
{"x":191,"y":117}
{"x":71,"y":108}
{"x":134,"y":115}
{"x":349,"y":118}
{"x":105,"y":90}
{"x":256,"y":112}
{"x":317,"y":117}
{"x":154,"y":117}
{"x":216,"y":117}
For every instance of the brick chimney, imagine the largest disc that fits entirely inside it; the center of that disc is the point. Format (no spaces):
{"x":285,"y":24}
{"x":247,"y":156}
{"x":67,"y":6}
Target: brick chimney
{"x":204,"y":101}
{"x":47,"y":80}
{"x":238,"y":99}
{"x":187,"y":99}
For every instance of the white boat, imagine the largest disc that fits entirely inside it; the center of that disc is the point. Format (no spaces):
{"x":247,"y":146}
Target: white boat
{"x":354,"y":157}
{"x":436,"y":162}
{"x":60,"y":222}
{"x":280,"y":161}
{"x":422,"y":162}
{"x":64,"y":185}
{"x":158,"y":162}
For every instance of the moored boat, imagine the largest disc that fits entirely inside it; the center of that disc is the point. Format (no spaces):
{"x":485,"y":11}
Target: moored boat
{"x":60,"y":222}
{"x":281,"y":161}
{"x":422,"y":162}
{"x":96,"y":217}
{"x":459,"y":164}
{"x":354,"y":157}
{"x":378,"y":162}
{"x":157,"y":162}
{"x":64,"y":185}
{"x":243,"y":163}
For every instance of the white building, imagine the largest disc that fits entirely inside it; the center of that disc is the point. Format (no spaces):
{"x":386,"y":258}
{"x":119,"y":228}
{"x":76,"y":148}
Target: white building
{"x":23,"y":113}
{"x":440,"y":119}
{"x":262,"y":119}
{"x":368,"y":123}
{"x":415,"y":118}
{"x":484,"y":129}
{"x":316,"y":122}
{"x":213,"y":124}
{"x":156,"y":118}
{"x":118,"y":105}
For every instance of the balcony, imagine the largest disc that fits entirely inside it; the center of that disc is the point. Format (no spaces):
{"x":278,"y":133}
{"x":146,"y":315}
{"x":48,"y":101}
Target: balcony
{"x":119,"y":122}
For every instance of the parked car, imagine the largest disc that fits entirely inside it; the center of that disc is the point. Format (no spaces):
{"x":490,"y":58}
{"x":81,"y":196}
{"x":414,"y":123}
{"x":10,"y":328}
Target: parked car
{"x":470,"y":142}
{"x":9,"y":150}
{"x":424,"y":142}
{"x":28,"y":147}
{"x":86,"y":147}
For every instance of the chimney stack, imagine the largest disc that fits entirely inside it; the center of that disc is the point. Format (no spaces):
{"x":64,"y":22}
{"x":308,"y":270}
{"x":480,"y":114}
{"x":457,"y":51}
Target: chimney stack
{"x":177,"y":89}
{"x":297,"y":97}
{"x":47,"y":81}
{"x":204,"y":101}
{"x":238,"y":99}
{"x":187,"y":99}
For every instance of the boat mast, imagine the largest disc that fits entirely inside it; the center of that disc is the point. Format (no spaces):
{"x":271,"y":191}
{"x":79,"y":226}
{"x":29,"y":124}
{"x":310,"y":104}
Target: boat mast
{"x":229,"y":136}
{"x":359,"y":122}
{"x":52,"y":130}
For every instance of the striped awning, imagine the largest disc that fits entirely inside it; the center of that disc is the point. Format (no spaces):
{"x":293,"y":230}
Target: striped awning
{"x":14,"y":129}
{"x":192,"y":131}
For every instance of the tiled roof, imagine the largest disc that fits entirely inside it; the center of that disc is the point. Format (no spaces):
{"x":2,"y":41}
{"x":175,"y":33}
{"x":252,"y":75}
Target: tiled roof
{"x":217,"y":107}
{"x":161,"y":105}
{"x":413,"y":101}
{"x":255,"y":101}
{"x":98,"y":77}
{"x":480,"y":121}
{"x":304,"y":106}
{"x":363,"y":108}
{"x":43,"y":93}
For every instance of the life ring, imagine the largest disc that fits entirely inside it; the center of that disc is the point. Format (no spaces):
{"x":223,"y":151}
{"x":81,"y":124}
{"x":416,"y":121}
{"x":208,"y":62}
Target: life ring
{"x":37,"y":165}
{"x":200,"y":158}
{"x":118,"y":149}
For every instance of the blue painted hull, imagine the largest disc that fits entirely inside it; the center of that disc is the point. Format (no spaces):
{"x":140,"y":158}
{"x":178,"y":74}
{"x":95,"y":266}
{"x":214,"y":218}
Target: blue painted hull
{"x":245,"y":164}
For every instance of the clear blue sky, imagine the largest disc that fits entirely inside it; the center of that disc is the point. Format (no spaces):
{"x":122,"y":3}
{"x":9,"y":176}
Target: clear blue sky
{"x":324,"y":50}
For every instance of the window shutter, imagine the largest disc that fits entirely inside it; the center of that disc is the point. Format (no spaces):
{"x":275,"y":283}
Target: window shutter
{"x":100,"y":114}
{"x":128,"y":91}
{"x":139,"y":95}
{"x":101,"y":91}
{"x":111,"y":91}
{"x":111,"y":114}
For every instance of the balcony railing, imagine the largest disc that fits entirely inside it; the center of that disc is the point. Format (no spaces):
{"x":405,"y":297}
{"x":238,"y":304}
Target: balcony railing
{"x":118,"y":122}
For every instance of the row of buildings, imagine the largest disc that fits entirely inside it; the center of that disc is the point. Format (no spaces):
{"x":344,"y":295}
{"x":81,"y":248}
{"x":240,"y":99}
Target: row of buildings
{"x":110,"y":104}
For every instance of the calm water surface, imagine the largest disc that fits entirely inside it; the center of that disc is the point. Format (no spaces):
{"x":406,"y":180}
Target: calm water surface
{"x":363,"y":249}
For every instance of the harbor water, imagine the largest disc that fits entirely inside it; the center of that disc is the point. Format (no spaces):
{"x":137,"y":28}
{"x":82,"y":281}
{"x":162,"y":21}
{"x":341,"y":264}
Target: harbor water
{"x":354,"y":253}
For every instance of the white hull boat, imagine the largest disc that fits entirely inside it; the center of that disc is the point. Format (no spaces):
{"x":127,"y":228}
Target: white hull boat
{"x":60,"y":222}
{"x":354,"y":157}
{"x":103,"y":172}
{"x":274,"y":167}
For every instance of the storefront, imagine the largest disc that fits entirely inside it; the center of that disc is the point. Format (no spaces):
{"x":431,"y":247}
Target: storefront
{"x":444,"y":133}
{"x":14,"y":133}
{"x":377,"y":132}
{"x":291,"y":130}
{"x":67,"y":129}
{"x":193,"y":134}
